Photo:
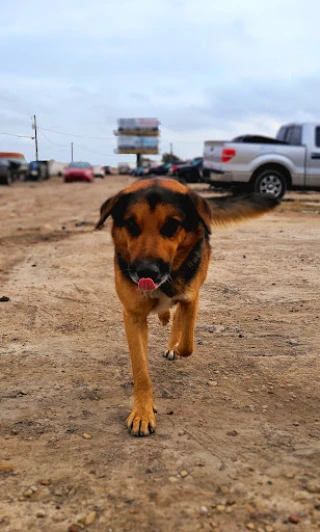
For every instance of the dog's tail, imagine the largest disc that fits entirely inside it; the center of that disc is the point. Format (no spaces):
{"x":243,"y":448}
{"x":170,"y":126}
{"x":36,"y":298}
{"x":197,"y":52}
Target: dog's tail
{"x":228,"y":209}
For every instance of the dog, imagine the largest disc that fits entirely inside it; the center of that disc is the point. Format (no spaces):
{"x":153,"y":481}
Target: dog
{"x":161,"y":231}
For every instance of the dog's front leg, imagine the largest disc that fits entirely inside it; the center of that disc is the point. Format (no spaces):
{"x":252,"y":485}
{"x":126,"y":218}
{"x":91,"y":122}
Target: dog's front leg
{"x":181,"y":342}
{"x":188,"y":316}
{"x":141,"y":421}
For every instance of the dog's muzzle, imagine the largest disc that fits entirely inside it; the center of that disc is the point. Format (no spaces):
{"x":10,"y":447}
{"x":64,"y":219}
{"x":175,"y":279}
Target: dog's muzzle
{"x":149,"y":274}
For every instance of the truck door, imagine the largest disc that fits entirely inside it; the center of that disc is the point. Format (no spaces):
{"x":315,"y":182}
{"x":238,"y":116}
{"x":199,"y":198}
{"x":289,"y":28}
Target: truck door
{"x":313,"y":160}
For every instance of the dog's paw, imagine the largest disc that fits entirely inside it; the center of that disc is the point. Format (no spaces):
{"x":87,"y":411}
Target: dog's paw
{"x":177,"y":353}
{"x":142,"y":421}
{"x":171,"y":354}
{"x":164,"y":317}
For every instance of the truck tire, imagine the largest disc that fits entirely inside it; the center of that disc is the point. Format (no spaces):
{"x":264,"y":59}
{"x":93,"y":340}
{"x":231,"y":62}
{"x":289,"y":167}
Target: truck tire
{"x":270,"y":181}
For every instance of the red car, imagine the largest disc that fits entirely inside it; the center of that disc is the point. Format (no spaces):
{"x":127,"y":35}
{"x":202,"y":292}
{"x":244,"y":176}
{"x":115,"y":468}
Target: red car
{"x":79,"y":172}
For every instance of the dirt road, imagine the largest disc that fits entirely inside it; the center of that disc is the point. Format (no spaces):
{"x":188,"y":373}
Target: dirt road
{"x":238,"y":428}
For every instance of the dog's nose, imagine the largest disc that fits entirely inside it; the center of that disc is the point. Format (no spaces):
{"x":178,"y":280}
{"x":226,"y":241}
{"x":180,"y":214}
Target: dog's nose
{"x":148,"y":270}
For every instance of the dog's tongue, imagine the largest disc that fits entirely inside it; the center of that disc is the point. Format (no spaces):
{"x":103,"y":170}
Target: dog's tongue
{"x":146,"y":284}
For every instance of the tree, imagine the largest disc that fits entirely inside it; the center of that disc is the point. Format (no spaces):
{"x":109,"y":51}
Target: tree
{"x":169,"y":158}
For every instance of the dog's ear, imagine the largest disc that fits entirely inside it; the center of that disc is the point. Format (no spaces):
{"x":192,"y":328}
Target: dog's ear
{"x":196,"y":210}
{"x":201,"y":209}
{"x":106,"y":210}
{"x":114,"y":206}
{"x":227,"y":209}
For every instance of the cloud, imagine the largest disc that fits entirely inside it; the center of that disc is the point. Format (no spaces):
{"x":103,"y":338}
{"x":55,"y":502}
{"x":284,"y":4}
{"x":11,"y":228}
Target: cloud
{"x":204,"y":69}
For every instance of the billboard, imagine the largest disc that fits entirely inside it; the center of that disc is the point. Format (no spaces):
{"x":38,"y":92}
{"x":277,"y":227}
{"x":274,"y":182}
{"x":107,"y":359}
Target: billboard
{"x":138,"y":135}
{"x":138,"y":126}
{"x":138,"y":123}
{"x":137,"y":144}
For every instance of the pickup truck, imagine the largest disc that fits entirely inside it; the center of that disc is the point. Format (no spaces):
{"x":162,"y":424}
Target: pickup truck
{"x":267,"y":165}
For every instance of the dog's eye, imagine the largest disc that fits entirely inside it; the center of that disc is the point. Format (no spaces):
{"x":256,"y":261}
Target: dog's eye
{"x":170,"y":227}
{"x":132,"y":227}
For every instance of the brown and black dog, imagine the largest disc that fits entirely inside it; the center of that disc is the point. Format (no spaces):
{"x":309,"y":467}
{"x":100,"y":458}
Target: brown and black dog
{"x":161,"y":231}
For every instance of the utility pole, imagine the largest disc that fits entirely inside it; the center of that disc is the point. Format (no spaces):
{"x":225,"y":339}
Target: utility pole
{"x":72,"y":152}
{"x":34,"y":126}
{"x":171,"y":148}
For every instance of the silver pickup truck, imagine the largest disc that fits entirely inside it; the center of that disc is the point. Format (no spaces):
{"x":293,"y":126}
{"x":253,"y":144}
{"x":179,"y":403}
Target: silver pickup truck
{"x":289,"y":161}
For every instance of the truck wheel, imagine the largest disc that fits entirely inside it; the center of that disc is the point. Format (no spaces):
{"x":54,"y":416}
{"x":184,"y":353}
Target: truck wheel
{"x":270,"y":181}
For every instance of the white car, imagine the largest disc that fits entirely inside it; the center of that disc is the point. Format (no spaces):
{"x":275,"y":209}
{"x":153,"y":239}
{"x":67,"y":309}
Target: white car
{"x":98,"y":171}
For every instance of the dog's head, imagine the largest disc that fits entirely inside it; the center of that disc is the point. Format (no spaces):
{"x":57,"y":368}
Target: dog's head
{"x":157,"y":222}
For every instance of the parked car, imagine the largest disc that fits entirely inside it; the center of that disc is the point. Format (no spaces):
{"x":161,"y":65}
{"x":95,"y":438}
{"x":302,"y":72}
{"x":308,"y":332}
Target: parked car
{"x":37,"y":171}
{"x":138,"y":172}
{"x":5,"y":174}
{"x":13,"y":166}
{"x":174,"y":167}
{"x":190,"y":173}
{"x":98,"y":171}
{"x":56,"y":168}
{"x":79,"y":172}
{"x":161,"y":169}
{"x":152,"y":169}
{"x":124,"y":169}
{"x":269,"y":166}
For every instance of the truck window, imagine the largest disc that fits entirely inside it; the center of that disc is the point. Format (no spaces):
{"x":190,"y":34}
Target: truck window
{"x":317,"y":135}
{"x":281,"y":135}
{"x":290,"y":134}
{"x":293,"y":136}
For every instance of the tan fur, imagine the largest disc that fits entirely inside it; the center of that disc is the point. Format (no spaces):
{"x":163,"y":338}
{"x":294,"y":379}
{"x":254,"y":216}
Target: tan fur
{"x":137,"y":306}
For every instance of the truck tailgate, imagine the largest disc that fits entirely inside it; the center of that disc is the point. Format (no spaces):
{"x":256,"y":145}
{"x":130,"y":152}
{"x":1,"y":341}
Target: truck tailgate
{"x":212,"y":154}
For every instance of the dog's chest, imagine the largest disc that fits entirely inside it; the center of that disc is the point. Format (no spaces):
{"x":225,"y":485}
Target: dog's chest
{"x":164,"y":302}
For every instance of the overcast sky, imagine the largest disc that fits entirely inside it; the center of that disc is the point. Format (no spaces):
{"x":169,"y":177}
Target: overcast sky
{"x":207,"y":69}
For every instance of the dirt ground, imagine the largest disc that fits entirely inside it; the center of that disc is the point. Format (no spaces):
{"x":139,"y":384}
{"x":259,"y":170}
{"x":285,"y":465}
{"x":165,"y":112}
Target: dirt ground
{"x":237,"y":445}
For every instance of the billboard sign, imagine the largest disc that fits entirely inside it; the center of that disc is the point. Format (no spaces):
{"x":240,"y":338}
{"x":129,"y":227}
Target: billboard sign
{"x":138,"y":135}
{"x":134,"y":124}
{"x":137,"y":144}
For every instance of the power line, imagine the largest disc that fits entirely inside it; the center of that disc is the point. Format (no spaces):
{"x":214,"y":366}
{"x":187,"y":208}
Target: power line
{"x":42,"y":129}
{"x":21,"y":136}
{"x":108,"y":138}
{"x":77,"y":136}
{"x":51,"y":141}
{"x":94,"y":151}
{"x":67,"y":146}
{"x":83,"y":136}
